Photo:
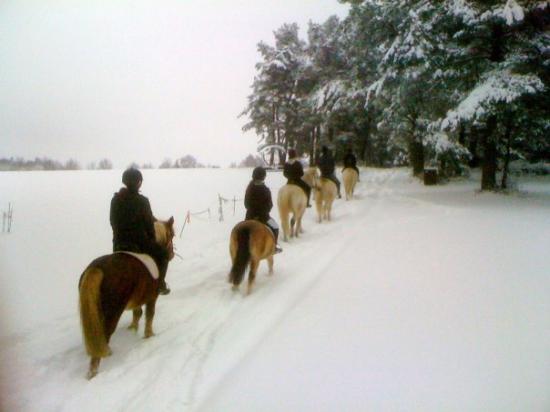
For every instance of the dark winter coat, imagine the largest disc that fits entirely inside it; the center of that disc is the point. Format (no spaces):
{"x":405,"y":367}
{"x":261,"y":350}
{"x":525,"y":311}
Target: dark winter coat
{"x":293,"y":171}
{"x":132,"y":222}
{"x":350,"y":160}
{"x":326,"y":165}
{"x":257,"y":201}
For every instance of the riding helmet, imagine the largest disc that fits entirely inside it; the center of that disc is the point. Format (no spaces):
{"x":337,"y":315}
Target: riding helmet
{"x":258,"y":173}
{"x":131,"y":178}
{"x":292,"y":153}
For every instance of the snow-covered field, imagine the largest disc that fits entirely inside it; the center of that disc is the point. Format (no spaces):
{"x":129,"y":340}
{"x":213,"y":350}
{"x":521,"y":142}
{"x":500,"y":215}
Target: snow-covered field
{"x":412,"y":299}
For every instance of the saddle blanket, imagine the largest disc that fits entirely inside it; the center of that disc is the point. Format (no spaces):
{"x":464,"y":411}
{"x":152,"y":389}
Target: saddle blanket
{"x":147,"y":261}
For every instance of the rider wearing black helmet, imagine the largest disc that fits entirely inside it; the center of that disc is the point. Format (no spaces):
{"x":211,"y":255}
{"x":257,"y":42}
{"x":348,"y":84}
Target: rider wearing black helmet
{"x":327,"y":167}
{"x":258,"y":203}
{"x":293,"y":171}
{"x":133,"y":224}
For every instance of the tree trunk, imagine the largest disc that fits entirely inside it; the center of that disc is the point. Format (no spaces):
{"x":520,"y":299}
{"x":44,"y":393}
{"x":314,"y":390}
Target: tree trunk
{"x":472,"y":147}
{"x":416,"y":148}
{"x":462,"y":134}
{"x":489,"y":166}
{"x":416,"y":155}
{"x":508,"y":140}
{"x":311,"y":145}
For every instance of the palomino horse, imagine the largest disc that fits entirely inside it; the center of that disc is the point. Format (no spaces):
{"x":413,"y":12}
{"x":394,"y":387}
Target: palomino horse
{"x":350,"y":177}
{"x":326,"y":193}
{"x":112,"y":284}
{"x":291,"y":200}
{"x":311,"y":177}
{"x":250,"y":242}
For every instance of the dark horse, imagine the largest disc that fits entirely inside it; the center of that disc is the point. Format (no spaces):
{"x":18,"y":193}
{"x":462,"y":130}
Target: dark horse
{"x":112,"y":284}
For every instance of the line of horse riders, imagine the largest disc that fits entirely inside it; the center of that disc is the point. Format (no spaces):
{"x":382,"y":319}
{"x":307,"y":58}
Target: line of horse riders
{"x":123,"y":280}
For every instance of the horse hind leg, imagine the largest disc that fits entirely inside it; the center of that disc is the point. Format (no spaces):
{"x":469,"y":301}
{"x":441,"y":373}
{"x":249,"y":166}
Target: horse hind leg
{"x":149,"y":315}
{"x":293,"y":231}
{"x":284,"y":223}
{"x":270,"y":264}
{"x":319,"y":207}
{"x":94,"y":367}
{"x":136,"y":316}
{"x":254,"y":263}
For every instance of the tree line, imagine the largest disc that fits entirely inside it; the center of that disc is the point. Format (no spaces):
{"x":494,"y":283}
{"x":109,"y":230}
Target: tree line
{"x":45,"y":163}
{"x":450,"y":84}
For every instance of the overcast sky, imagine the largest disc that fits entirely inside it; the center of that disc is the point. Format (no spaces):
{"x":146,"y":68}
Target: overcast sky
{"x":135,"y":80}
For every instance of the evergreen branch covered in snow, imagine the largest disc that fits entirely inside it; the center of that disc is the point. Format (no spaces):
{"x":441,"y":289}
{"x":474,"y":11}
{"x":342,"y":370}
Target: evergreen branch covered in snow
{"x":498,"y":86}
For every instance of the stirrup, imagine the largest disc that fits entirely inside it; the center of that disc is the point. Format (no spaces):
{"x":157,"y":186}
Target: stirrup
{"x":164,"y":290}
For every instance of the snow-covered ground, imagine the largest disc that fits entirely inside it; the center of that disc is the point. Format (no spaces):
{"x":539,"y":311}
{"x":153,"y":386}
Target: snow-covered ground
{"x":412,"y":299}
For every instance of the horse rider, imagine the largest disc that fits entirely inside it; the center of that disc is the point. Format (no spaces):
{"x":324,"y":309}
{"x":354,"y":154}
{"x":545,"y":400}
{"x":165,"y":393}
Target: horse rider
{"x":258,"y":203}
{"x":327,"y":167}
{"x":293,"y":171}
{"x":351,"y":161}
{"x":133,"y":224}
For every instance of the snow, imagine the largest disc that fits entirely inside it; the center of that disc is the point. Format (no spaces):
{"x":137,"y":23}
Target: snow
{"x":513,"y":12}
{"x":412,"y":298}
{"x":497,"y":86}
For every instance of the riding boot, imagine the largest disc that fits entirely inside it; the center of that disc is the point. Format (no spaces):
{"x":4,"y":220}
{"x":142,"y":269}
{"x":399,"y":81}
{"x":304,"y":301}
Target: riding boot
{"x":308,"y":194}
{"x":278,"y":248}
{"x":163,"y":287}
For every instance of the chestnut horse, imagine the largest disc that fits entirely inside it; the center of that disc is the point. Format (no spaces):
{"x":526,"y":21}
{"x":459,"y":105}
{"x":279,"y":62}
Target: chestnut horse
{"x":112,"y":284}
{"x":250,"y":242}
{"x":291,"y":200}
{"x":350,"y":177}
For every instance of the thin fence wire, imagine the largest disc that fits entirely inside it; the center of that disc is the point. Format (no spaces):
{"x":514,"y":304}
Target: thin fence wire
{"x":222,"y":202}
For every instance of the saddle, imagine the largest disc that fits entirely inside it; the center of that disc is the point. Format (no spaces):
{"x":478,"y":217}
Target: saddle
{"x":147,"y":261}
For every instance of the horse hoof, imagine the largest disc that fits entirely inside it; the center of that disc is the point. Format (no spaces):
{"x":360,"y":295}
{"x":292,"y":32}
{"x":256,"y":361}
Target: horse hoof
{"x":133,"y":327}
{"x":91,"y":374}
{"x":234,"y":288}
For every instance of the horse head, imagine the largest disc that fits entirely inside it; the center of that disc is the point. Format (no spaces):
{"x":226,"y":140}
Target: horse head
{"x":164,"y":235}
{"x":311,"y":177}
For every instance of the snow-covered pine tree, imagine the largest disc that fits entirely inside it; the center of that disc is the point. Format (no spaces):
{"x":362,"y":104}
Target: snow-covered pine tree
{"x":500,"y":51}
{"x":272,"y":106}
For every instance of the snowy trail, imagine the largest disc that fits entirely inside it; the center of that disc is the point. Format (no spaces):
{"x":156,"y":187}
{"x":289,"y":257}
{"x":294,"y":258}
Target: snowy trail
{"x":196,"y":326}
{"x":431,"y":337}
{"x":337,"y":281}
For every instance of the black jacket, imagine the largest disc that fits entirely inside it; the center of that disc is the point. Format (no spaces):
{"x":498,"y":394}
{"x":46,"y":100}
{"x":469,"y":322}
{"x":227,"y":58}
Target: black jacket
{"x":293,"y":170}
{"x":350,"y":160}
{"x":326,"y":165}
{"x":132,"y":222}
{"x":257,"y":201}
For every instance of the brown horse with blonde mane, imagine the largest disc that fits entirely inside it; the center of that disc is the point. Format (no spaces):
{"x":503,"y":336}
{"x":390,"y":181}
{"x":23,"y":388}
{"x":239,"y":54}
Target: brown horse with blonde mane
{"x":350,"y":177}
{"x":250,"y":242}
{"x":112,"y":284}
{"x":291,"y":200}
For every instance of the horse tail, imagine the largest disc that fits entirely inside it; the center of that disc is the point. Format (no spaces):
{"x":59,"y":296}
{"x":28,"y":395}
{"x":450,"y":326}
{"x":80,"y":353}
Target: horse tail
{"x":93,"y":329}
{"x":242,"y":258}
{"x":283,"y":203}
